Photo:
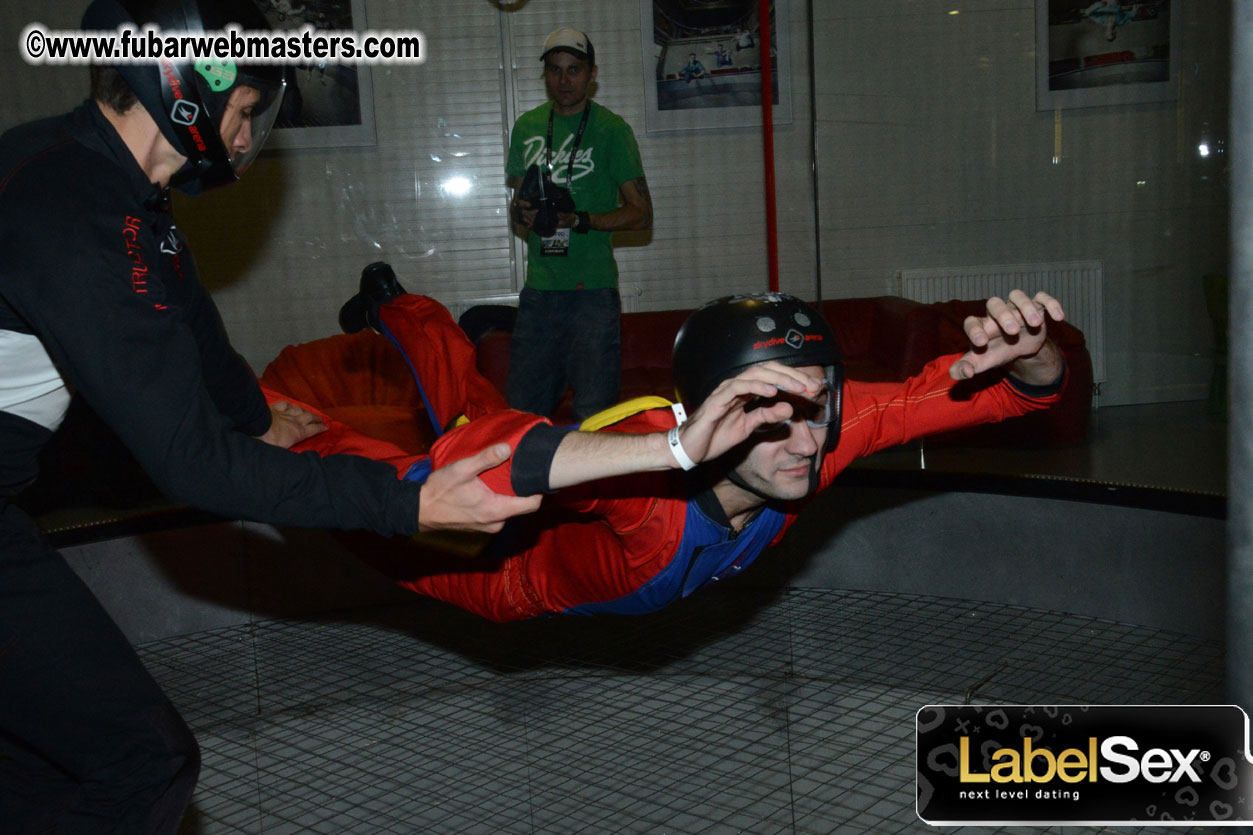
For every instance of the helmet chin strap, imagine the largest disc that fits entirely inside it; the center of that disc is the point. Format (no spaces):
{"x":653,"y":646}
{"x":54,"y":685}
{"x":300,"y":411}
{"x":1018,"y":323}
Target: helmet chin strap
{"x":735,"y":478}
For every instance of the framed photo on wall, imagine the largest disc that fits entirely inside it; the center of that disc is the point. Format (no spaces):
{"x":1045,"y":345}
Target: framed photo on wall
{"x":329,"y":105}
{"x":1106,"y":52}
{"x":703,"y":63}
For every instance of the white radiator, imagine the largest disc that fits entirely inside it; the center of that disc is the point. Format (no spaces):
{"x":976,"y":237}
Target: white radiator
{"x":1076,"y":284}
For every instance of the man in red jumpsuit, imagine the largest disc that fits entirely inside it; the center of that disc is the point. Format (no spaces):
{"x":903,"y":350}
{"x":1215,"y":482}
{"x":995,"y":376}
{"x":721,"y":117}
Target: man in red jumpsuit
{"x":651,"y":508}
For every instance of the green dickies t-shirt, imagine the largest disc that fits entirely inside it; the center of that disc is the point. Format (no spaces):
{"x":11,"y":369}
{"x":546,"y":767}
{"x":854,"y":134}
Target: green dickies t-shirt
{"x":607,"y":157}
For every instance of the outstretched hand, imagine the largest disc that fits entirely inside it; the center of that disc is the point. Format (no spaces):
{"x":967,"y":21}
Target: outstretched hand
{"x":290,"y":424}
{"x":722,"y":422}
{"x":1014,"y":333}
{"x":453,"y":497}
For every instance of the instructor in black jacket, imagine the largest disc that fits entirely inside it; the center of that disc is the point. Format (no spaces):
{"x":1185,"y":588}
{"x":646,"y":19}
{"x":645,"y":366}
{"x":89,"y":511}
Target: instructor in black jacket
{"x":99,"y":297}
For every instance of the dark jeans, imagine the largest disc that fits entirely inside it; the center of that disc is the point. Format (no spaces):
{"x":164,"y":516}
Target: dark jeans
{"x":88,"y":742}
{"x":565,"y":337}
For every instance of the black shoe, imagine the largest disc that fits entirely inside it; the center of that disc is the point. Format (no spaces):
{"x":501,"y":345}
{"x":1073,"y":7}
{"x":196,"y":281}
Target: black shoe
{"x":378,"y":286}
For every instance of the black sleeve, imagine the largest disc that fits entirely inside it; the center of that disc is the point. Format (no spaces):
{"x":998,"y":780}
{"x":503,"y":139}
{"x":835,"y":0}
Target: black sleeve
{"x":231,"y":383}
{"x":533,"y":459}
{"x":136,"y":359}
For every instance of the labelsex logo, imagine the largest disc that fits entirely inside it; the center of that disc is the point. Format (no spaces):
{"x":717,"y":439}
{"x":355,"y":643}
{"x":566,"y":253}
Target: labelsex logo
{"x":1039,"y":765}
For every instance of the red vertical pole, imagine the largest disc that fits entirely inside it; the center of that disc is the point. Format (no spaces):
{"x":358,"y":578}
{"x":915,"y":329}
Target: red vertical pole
{"x":767,"y":136}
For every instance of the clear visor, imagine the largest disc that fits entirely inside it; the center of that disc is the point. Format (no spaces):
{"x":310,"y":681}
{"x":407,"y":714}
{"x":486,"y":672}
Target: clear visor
{"x":247,"y":119}
{"x":817,"y":411}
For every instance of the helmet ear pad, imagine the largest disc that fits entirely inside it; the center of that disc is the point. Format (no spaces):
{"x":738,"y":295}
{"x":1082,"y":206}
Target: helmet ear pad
{"x":835,"y":380}
{"x":835,"y":386}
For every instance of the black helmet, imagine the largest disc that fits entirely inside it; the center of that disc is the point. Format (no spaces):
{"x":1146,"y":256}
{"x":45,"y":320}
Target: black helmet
{"x":188,"y":99}
{"x":730,"y":334}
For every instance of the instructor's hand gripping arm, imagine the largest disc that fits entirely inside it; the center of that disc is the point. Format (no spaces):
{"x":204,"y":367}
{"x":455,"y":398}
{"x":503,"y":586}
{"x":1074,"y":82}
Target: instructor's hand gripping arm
{"x":453,"y":497}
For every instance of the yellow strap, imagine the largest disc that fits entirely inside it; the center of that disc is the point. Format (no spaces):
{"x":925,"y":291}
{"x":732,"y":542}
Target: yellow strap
{"x":622,"y":411}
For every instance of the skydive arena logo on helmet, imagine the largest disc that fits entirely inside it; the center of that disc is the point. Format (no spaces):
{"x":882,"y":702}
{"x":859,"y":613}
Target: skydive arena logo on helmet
{"x":1109,"y":765}
{"x":184,"y":113}
{"x":793,"y":339}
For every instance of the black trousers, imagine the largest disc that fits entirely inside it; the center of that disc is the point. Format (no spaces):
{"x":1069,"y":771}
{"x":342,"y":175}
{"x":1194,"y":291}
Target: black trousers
{"x":88,"y":742}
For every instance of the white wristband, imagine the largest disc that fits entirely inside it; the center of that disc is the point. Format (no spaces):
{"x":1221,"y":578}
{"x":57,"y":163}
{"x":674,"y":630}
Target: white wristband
{"x":677,"y":450}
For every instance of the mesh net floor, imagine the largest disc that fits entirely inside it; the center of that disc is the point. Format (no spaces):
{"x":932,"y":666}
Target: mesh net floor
{"x":737,"y":711}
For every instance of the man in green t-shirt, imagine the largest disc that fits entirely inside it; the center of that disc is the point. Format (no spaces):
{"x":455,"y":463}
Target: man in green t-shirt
{"x":567,"y":326}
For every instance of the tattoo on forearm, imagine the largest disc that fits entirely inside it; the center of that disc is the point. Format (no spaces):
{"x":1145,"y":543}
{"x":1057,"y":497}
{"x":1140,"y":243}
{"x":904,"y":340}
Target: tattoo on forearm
{"x":641,"y":185}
